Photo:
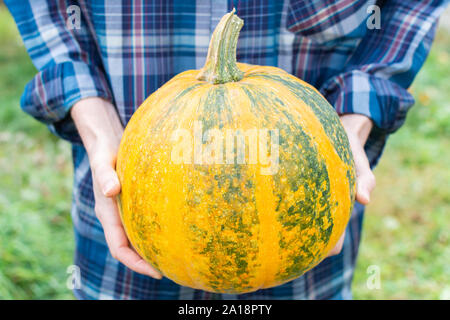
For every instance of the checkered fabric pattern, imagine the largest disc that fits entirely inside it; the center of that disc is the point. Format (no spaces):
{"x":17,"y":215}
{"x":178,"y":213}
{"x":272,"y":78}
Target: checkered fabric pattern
{"x":125,"y":50}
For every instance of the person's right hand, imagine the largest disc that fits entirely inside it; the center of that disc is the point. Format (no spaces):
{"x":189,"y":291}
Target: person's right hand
{"x":100,"y":130}
{"x":358,"y":127}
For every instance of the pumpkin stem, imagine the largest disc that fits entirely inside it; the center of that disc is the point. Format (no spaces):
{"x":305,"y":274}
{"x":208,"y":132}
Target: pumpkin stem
{"x":220,"y":65}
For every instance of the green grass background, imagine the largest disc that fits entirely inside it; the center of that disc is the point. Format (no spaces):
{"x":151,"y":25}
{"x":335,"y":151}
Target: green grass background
{"x":406,"y":230}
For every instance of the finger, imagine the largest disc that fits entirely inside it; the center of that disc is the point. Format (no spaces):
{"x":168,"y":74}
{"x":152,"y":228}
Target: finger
{"x":365,"y":185}
{"x":365,"y":179}
{"x":106,"y":177}
{"x":123,"y":253}
{"x":338,"y":247}
{"x":118,"y":243}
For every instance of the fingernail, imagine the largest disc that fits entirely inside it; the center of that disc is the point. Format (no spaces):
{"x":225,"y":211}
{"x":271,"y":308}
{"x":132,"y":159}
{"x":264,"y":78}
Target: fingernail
{"x":156,"y":276}
{"x":366,"y":197}
{"x":109,"y":187}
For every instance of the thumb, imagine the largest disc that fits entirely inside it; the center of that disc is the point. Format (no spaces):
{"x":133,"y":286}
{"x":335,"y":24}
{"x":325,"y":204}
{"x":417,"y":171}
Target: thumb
{"x":365,"y":185}
{"x":365,"y":179}
{"x":106,"y":178}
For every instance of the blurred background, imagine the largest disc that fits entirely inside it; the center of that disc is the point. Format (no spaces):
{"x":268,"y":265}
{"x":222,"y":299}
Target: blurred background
{"x":406,"y":230}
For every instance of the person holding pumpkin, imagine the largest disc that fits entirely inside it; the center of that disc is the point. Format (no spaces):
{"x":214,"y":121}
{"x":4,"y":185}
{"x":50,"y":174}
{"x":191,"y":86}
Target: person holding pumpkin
{"x":92,"y":78}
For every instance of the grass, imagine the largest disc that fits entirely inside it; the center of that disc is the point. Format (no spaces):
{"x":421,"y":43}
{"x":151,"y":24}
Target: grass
{"x":405,"y":230}
{"x":36,"y":239}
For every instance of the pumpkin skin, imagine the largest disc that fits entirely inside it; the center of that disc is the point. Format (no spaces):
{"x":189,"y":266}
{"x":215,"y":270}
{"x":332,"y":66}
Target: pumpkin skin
{"x":230,"y":228}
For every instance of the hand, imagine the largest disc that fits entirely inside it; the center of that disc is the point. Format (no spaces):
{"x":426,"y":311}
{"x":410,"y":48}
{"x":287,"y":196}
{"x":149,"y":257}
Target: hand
{"x":358,"y":128}
{"x":100,"y":130}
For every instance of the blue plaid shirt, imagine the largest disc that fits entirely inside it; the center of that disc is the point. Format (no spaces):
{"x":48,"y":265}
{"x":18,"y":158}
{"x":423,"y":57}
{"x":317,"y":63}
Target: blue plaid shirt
{"x":124,"y":51}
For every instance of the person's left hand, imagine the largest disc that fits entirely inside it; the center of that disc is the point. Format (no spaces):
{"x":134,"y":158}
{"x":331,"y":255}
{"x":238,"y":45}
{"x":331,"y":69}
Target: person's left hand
{"x":358,"y":128}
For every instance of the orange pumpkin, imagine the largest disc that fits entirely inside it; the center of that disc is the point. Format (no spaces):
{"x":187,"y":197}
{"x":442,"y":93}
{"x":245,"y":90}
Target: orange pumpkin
{"x":235,"y":177}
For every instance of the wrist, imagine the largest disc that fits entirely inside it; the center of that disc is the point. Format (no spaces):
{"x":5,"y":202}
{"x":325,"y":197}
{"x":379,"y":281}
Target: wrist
{"x":97,"y":123}
{"x":358,"y":125}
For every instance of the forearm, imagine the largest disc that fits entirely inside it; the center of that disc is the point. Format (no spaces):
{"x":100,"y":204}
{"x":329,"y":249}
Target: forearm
{"x":359,"y":125}
{"x":97,"y":123}
{"x":381,"y":67}
{"x":69,"y":69}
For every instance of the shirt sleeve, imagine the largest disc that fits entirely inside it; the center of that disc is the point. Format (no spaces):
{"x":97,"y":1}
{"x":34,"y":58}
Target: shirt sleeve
{"x":68,"y":63}
{"x":376,"y":77}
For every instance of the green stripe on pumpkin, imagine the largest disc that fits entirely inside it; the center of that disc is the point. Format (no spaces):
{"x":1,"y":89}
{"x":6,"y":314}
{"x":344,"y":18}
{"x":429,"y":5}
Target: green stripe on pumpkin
{"x":323,"y":110}
{"x":326,"y":115}
{"x":304,"y":167}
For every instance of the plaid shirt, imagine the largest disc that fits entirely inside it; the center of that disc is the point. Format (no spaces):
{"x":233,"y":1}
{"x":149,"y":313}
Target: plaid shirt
{"x":124,"y":51}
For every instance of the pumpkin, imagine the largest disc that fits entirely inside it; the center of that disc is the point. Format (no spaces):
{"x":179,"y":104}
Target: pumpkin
{"x":212,"y":213}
